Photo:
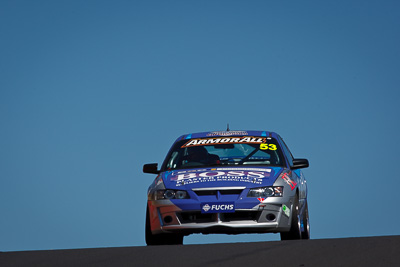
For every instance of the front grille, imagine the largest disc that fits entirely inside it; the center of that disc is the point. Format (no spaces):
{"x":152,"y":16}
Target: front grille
{"x":195,"y":217}
{"x":231,"y":192}
{"x":240,"y":216}
{"x":198,"y":217}
{"x":215,"y":192}
{"x":206,"y":193}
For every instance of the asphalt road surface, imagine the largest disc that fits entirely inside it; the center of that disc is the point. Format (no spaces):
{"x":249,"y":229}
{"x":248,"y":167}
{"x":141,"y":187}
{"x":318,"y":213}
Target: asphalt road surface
{"x":364,"y":251}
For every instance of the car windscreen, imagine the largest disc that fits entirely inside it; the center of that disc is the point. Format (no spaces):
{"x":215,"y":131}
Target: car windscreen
{"x":223,"y":151}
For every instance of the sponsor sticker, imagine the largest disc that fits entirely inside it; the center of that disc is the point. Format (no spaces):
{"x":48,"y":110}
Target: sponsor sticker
{"x":158,"y":180}
{"x":225,"y":140}
{"x":248,"y":175}
{"x":286,"y":210}
{"x":227,"y":133}
{"x":217,"y":207}
{"x":289,"y":181}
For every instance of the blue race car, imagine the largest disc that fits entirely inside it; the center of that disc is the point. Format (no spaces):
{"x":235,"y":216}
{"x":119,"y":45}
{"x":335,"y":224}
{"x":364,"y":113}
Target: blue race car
{"x":228,"y":182}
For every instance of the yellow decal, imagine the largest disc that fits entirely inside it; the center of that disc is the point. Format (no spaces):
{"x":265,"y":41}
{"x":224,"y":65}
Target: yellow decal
{"x":267,"y":146}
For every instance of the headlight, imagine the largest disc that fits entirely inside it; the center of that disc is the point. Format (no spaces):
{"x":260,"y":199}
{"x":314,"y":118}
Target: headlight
{"x":269,"y":191}
{"x":171,"y":194}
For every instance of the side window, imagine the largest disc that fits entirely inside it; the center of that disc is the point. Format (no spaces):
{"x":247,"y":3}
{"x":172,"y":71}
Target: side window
{"x":287,"y":152}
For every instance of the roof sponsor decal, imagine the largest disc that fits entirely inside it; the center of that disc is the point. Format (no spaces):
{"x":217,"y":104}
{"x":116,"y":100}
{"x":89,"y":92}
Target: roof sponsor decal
{"x":227,"y":133}
{"x":227,"y":140}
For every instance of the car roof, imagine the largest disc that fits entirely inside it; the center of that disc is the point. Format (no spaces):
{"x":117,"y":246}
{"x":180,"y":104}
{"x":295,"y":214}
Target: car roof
{"x":227,"y":133}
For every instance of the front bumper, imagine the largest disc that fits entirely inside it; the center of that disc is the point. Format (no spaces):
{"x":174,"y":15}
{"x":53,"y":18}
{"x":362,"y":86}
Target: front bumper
{"x":263,"y":218}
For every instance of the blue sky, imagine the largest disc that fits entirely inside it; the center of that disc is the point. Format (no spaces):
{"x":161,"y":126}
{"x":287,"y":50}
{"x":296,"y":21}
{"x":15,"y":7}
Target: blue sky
{"x":92,"y":90}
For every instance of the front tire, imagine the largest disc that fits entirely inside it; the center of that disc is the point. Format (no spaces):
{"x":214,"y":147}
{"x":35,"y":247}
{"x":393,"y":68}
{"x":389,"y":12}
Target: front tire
{"x":295,"y":230}
{"x":305,"y":234}
{"x":160,"y":239}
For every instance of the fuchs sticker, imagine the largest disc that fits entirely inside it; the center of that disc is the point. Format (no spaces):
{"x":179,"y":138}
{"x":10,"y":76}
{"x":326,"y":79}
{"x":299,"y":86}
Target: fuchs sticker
{"x":217,"y":207}
{"x":226,"y":140}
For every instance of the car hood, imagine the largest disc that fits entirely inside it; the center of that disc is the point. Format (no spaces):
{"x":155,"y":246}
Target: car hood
{"x":248,"y":177}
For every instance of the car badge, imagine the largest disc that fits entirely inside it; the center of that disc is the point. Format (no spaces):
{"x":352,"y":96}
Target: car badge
{"x":206,"y":207}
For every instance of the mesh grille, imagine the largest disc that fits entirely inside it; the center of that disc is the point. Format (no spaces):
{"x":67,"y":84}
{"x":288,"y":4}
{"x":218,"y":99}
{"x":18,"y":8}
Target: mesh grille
{"x":222,"y":192}
{"x":198,"y":217}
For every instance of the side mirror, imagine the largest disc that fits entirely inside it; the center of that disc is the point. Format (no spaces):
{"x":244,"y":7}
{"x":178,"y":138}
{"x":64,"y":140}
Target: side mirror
{"x":300,"y":164}
{"x":151,"y":168}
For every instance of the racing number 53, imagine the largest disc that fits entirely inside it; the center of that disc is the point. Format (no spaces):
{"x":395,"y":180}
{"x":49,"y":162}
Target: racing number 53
{"x":267,"y":146}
